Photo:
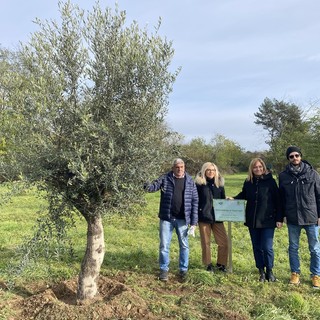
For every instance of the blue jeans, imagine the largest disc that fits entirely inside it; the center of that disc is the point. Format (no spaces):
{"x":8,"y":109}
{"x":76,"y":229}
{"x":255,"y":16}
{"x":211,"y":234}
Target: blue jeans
{"x":314,"y":247}
{"x":262,"y":244}
{"x":166,"y":229}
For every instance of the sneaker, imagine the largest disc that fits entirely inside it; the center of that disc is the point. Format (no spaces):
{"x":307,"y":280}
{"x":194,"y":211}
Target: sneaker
{"x":163,"y":275}
{"x":295,"y":278}
{"x":221,"y":267}
{"x":210,"y":268}
{"x":183,"y":275}
{"x":316,"y":282}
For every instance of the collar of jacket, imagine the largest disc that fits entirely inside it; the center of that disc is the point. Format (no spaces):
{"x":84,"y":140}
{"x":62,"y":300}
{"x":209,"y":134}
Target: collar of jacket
{"x":178,"y":177}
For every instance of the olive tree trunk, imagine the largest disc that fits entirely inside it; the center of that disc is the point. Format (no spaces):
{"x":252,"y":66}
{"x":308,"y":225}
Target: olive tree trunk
{"x":92,"y":261}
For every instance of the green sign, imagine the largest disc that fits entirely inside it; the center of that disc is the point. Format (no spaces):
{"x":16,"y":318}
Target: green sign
{"x":229,"y":210}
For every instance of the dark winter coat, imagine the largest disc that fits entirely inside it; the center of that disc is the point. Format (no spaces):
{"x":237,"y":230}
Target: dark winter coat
{"x":300,"y":195}
{"x":207,"y":192}
{"x":263,"y":207}
{"x":166,"y":184}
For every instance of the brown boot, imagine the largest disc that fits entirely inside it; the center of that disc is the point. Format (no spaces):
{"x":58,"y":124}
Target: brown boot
{"x":295,"y":278}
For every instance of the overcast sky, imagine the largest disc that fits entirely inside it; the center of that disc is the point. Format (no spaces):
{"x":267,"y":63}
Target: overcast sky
{"x":233,"y":54}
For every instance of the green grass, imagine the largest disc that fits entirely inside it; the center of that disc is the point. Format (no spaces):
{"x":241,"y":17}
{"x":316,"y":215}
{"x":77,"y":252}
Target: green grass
{"x":132,"y":249}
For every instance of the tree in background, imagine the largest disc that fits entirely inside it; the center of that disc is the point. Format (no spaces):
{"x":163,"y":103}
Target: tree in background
{"x":225,"y":153}
{"x":311,"y":143}
{"x":228,"y":155}
{"x":279,"y":117}
{"x":195,"y":154}
{"x":285,"y":125}
{"x":91,"y":118}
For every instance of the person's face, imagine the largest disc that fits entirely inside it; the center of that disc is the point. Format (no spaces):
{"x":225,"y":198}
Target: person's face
{"x":178,"y":170}
{"x":210,"y":172}
{"x":295,"y":158}
{"x":257,"y":169}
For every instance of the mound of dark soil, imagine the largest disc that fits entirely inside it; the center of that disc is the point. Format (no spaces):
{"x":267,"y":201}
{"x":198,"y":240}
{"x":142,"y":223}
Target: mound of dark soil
{"x":115,"y":301}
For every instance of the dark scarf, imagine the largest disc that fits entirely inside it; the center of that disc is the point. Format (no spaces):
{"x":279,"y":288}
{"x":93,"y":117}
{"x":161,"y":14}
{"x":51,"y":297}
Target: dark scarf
{"x":296,"y":170}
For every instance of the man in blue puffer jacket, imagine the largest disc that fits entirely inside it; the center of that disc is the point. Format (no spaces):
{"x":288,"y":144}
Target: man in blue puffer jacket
{"x":178,"y":210}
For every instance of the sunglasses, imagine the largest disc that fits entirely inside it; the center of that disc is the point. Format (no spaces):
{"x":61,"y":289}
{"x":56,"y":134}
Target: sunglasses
{"x":297,"y":155}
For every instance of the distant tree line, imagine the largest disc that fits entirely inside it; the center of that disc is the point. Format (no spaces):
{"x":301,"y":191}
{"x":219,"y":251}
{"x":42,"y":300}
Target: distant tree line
{"x":227,"y":154}
{"x":285,"y":123}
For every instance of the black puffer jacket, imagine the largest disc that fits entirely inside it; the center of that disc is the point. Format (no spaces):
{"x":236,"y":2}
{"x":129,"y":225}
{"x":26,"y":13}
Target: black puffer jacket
{"x":263,"y":208}
{"x":300,"y":195}
{"x":208,"y":192}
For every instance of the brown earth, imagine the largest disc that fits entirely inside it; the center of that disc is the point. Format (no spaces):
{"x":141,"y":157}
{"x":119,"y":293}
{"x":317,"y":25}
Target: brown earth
{"x":58,"y":302}
{"x":116,"y":301}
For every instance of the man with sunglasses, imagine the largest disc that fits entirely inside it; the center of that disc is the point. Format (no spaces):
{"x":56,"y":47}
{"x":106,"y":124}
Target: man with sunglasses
{"x":300,"y":195}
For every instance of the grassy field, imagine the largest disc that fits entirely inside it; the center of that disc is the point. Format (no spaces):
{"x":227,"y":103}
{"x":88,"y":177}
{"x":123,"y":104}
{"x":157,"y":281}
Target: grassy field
{"x":132,"y":250}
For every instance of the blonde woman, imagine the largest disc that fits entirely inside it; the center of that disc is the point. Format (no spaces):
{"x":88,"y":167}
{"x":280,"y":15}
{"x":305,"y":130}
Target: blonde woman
{"x":210,"y":185}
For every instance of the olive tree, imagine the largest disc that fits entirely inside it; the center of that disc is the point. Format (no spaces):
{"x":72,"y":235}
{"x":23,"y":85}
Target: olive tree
{"x":92,"y":117}
{"x":11,"y":83}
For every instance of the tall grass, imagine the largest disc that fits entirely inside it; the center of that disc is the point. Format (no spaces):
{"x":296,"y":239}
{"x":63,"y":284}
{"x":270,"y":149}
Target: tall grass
{"x":132,"y":252}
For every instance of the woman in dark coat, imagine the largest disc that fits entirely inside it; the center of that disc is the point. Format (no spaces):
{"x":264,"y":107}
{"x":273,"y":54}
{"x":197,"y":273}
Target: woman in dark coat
{"x":210,"y":185}
{"x":263,"y":214}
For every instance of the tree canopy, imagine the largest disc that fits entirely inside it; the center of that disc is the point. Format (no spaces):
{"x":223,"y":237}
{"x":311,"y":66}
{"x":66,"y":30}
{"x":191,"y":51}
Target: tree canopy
{"x":288,"y":124}
{"x":278,"y":117}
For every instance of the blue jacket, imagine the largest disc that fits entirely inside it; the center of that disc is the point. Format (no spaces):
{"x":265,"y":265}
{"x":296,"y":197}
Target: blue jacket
{"x":166,"y":184}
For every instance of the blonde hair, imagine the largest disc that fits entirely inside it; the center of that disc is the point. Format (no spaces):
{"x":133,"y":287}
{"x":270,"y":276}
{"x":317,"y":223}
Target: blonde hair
{"x":201,"y":175}
{"x":252,"y":164}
